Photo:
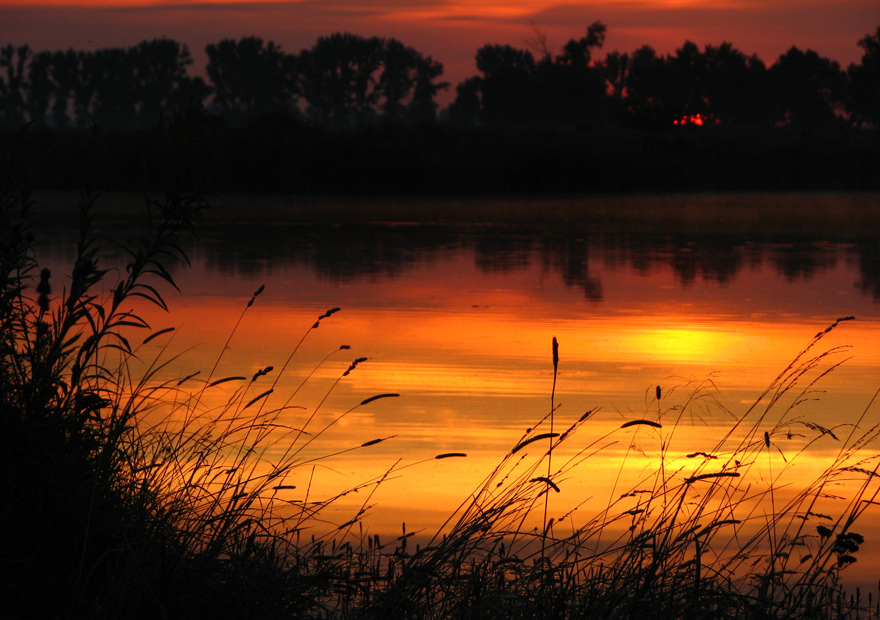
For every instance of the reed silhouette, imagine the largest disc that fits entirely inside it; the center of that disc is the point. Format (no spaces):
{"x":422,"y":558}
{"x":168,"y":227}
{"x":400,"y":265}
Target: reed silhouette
{"x":131,"y":491}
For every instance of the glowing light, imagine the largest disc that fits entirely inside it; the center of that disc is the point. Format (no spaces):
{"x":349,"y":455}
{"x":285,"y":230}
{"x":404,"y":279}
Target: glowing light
{"x":685,"y":344}
{"x":692,"y":119}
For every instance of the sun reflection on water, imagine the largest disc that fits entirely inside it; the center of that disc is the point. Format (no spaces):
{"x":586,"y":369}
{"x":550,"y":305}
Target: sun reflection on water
{"x":468,"y":349}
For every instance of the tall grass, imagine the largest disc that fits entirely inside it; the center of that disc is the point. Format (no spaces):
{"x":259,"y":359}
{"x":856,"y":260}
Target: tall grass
{"x":128,"y":494}
{"x":729,"y":532}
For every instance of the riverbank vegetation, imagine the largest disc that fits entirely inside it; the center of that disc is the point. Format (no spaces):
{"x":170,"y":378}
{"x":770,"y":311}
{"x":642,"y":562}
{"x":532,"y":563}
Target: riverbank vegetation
{"x":128,"y":492}
{"x":360,"y":114}
{"x":346,"y":80}
{"x":283,"y":156}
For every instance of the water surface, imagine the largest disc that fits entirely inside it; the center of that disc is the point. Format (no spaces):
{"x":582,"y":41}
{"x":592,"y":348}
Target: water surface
{"x":455,"y":304}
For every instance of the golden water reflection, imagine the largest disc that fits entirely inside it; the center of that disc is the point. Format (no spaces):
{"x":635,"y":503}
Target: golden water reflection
{"x":472,"y":377}
{"x":462,"y":330}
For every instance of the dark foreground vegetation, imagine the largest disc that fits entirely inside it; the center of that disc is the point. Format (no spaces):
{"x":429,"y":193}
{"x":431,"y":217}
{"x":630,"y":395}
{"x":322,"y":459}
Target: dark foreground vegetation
{"x":125,"y":495}
{"x":282,"y":155}
{"x":355,"y":114}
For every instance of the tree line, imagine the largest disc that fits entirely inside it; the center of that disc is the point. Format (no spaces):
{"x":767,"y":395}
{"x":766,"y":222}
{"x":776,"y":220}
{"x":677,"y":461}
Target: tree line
{"x":349,"y":80}
{"x":343,"y":79}
{"x":718,"y":84}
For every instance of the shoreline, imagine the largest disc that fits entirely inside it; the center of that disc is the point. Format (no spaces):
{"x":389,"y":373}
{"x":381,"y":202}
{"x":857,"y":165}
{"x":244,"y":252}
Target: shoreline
{"x":847,"y":214}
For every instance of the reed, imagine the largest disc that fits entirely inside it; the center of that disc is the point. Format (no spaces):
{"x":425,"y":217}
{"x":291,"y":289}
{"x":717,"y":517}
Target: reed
{"x":129,"y":494}
{"x":707,"y":534}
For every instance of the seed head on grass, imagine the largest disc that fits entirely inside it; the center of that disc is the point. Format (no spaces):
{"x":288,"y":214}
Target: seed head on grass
{"x":255,"y":295}
{"x":327,"y":314}
{"x":641,"y":423}
{"x":531,"y":440}
{"x":262,"y":372}
{"x":377,"y":397}
{"x":354,"y":365}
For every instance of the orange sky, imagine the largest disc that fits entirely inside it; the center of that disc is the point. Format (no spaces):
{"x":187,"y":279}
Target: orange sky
{"x":449,"y":30}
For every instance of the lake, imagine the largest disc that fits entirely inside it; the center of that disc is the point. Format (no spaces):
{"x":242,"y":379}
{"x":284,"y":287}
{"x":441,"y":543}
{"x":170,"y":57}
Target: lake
{"x":455,"y":302}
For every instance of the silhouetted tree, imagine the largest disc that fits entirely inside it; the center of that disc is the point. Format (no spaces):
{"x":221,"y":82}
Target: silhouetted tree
{"x":808,"y":90}
{"x":615,"y":67}
{"x":339,"y":77}
{"x":84,"y":88}
{"x":64,"y":71}
{"x":398,"y":76}
{"x":249,"y":78}
{"x":506,"y":86}
{"x":13,"y":63}
{"x":423,"y":106}
{"x":465,"y":109}
{"x":40,"y":87}
{"x":735,"y":86}
{"x":647,"y":88}
{"x":569,"y":88}
{"x":407,"y":83}
{"x":160,"y":80}
{"x":683,"y":91}
{"x":719,"y":83}
{"x":349,"y":80}
{"x":864,"y":80}
{"x":111,"y":74}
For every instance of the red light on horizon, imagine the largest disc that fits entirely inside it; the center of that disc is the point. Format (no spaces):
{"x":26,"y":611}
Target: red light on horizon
{"x":691,"y":119}
{"x":697,"y":119}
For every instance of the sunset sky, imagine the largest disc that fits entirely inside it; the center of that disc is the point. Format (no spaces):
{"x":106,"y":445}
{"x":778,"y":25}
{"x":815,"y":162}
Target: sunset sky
{"x":449,"y":30}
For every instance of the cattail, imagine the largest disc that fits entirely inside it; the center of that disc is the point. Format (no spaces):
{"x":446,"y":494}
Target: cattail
{"x":354,"y":365}
{"x":188,"y":377}
{"x":261,"y":396}
{"x":547,"y":481}
{"x":587,"y":414}
{"x":225,"y":379}
{"x":260,"y":373}
{"x":658,"y":392}
{"x":377,"y":397}
{"x":720,"y":474}
{"x":523,"y":444}
{"x":255,"y":295}
{"x":641,"y":422}
{"x":373,"y":442}
{"x":329,"y":313}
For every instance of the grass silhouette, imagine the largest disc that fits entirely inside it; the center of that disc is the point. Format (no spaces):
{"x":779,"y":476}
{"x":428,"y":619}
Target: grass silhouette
{"x":126,"y":494}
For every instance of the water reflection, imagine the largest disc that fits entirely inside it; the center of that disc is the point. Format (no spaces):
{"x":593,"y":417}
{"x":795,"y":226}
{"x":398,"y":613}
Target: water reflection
{"x":458,"y":317}
{"x":711,"y":239}
{"x":343,"y":253}
{"x":868,"y":256}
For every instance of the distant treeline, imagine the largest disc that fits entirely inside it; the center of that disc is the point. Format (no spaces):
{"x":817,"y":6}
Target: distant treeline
{"x":344,"y":79}
{"x":355,"y":115}
{"x":347,"y":80}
